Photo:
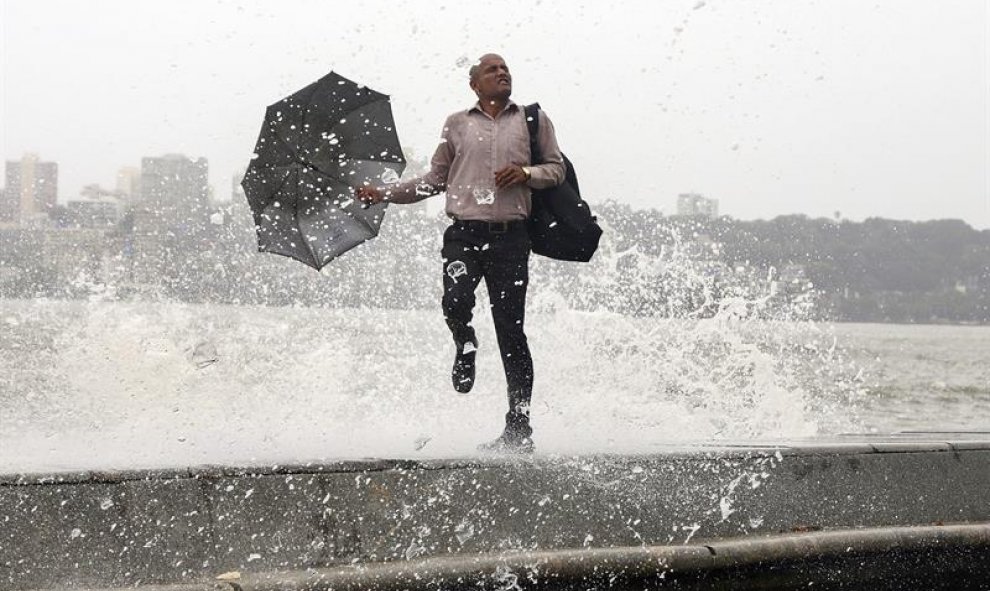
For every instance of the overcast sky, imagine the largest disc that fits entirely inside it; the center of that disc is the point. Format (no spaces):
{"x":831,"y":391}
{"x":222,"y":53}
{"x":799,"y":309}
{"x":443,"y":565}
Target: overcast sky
{"x":869,"y":108}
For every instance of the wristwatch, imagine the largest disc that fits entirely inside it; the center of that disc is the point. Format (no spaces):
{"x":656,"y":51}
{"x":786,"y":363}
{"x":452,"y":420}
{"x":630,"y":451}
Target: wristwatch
{"x":527,"y":172}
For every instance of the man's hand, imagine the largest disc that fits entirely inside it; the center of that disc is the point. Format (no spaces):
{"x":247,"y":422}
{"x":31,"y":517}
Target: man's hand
{"x":369,"y":195}
{"x":510,"y":175}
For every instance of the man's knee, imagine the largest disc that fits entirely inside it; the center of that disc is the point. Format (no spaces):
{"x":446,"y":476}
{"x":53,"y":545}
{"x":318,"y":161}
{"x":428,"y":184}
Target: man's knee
{"x":457,"y":305}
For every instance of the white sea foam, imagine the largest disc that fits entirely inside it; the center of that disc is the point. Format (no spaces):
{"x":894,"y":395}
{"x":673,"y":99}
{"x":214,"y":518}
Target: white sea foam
{"x":116,"y":384}
{"x":633,"y":352}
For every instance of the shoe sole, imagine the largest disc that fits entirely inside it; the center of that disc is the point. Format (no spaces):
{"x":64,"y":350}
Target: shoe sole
{"x":464,"y":385}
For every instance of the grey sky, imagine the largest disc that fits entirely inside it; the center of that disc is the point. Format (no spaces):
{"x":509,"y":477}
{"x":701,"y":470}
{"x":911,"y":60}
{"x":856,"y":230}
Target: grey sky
{"x":771,"y":106}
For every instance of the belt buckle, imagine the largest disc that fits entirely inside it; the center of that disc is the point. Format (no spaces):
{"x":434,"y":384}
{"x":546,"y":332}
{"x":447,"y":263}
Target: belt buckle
{"x":498,"y":227}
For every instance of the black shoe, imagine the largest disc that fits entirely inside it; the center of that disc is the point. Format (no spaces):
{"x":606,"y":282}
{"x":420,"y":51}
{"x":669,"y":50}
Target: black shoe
{"x":516,"y":438}
{"x":508,"y":444}
{"x":462,"y":375}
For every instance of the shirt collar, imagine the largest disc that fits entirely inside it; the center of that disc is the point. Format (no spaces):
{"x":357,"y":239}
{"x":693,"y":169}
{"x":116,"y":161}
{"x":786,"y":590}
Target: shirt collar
{"x":477,"y":107}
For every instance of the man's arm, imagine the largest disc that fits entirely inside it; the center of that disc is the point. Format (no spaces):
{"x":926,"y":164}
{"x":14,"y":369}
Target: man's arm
{"x":419,"y":188}
{"x":551,"y":171}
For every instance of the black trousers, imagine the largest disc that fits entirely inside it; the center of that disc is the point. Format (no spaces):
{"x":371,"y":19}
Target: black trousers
{"x":499,"y":253}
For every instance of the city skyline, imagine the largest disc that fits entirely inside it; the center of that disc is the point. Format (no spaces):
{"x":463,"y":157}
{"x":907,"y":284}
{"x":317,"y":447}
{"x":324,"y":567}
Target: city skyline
{"x":128,"y":182}
{"x":784,"y":108}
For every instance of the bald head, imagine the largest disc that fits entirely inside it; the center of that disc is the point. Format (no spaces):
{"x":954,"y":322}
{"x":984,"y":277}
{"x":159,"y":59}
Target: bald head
{"x":476,"y":68}
{"x":490,"y":79}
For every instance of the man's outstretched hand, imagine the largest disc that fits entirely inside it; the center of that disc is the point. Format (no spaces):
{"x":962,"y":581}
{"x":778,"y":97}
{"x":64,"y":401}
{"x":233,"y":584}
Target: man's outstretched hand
{"x":370,"y":195}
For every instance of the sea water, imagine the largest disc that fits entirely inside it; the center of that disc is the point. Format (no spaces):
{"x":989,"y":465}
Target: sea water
{"x":102,"y":383}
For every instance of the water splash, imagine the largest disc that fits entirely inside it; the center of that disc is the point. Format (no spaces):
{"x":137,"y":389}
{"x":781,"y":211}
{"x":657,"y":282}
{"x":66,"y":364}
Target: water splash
{"x":656,"y":341}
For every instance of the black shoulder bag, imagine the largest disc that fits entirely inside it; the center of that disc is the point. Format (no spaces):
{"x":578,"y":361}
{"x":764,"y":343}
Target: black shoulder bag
{"x":561,"y":225}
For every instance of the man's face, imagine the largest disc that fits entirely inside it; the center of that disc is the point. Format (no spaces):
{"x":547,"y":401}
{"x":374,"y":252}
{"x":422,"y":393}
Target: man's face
{"x":494,"y":80}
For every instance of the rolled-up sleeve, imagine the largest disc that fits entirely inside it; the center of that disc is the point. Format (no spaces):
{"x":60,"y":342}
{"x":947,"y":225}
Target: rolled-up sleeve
{"x":551,"y":171}
{"x":434,"y":181}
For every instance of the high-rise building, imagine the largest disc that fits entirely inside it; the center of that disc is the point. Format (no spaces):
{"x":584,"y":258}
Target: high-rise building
{"x":31,"y":191}
{"x":129,"y":183}
{"x":695,"y":204}
{"x":174,"y":189}
{"x":171,"y":217}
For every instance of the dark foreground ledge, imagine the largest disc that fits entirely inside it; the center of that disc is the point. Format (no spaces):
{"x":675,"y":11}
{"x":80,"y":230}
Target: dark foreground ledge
{"x":827,"y":512}
{"x":932,"y":557}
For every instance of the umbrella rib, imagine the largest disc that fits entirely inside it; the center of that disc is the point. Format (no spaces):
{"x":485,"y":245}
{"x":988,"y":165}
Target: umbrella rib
{"x":302,"y":234}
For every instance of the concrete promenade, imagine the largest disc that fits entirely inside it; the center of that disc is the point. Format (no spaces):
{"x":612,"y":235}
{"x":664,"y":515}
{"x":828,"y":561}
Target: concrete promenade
{"x":301,"y":524}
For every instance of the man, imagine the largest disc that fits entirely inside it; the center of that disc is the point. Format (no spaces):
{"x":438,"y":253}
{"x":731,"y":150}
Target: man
{"x":483,"y":165}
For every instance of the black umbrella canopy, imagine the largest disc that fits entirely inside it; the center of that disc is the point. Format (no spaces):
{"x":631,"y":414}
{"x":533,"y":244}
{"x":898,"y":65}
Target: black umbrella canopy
{"x":315,"y":146}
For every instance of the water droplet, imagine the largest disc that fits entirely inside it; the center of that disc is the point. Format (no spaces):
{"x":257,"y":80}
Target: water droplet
{"x":390,"y":177}
{"x":464,"y":531}
{"x":483,"y":195}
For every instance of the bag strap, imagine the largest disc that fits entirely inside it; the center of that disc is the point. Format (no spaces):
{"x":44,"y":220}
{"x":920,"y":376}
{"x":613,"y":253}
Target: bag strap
{"x":532,"y":113}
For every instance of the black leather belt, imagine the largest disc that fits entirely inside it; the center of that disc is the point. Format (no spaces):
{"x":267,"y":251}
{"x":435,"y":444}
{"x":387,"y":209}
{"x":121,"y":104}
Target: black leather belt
{"x":493,"y":227}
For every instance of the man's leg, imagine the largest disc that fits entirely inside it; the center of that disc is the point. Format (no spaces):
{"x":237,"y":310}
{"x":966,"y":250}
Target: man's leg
{"x":507,"y":277}
{"x":461,"y":274}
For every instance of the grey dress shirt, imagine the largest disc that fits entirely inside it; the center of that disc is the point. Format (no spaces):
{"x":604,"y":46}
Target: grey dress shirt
{"x":473,"y":146}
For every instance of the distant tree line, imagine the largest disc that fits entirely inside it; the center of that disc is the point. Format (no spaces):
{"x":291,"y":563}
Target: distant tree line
{"x":878,"y":270}
{"x":882,"y":270}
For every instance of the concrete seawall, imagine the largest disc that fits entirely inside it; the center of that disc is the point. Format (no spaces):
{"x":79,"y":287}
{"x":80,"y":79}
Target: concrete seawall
{"x":184,"y":526}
